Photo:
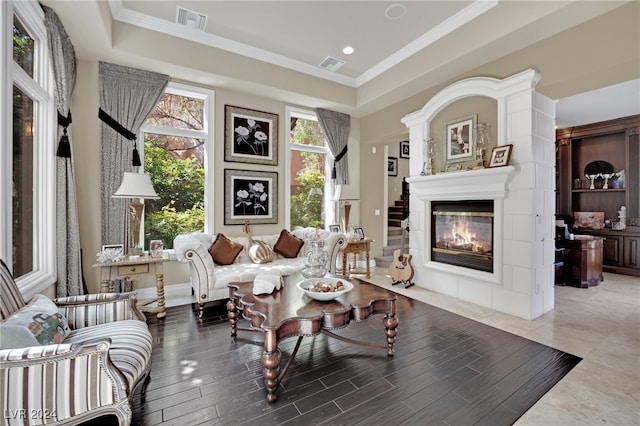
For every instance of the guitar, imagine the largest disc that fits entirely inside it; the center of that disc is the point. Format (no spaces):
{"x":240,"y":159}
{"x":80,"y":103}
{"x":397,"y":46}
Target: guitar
{"x":400,"y":269}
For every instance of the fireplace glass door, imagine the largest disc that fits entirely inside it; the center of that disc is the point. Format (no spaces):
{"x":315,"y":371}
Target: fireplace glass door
{"x":462,"y":233}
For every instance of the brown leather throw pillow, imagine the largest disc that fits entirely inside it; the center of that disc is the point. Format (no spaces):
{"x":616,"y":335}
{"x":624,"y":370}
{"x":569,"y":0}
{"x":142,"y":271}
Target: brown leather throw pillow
{"x":288,"y":245}
{"x":223,"y":251}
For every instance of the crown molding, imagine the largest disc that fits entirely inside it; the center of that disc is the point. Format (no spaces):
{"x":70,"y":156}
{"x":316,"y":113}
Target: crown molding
{"x":471,"y":12}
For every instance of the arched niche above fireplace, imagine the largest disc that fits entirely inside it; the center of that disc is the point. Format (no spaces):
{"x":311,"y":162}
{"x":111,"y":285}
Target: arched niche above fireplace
{"x":419,"y":122}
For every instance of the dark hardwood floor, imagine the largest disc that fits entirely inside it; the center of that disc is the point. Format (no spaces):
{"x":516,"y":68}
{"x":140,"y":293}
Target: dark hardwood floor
{"x":447,"y":370}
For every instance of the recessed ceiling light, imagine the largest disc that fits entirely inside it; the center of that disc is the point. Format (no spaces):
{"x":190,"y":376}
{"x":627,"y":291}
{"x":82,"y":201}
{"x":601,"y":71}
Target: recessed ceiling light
{"x":348,"y":50}
{"x":395,"y":11}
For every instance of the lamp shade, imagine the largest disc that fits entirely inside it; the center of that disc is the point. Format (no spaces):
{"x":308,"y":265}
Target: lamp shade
{"x":136,"y":185}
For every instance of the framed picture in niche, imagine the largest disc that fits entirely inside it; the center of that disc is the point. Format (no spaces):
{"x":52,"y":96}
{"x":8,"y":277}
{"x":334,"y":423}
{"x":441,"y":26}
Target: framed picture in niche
{"x":250,"y":136}
{"x":250,"y":195}
{"x":460,"y":139}
{"x":404,"y":149}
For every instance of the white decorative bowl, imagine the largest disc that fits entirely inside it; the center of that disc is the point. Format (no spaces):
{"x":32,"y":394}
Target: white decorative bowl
{"x":324,"y":296}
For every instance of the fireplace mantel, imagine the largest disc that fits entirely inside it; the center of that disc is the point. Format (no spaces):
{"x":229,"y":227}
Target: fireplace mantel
{"x":480,"y":184}
{"x":523,"y":194}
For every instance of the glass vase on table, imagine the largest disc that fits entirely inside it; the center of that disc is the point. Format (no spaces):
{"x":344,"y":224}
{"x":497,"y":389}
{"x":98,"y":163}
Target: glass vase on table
{"x":316,"y":263}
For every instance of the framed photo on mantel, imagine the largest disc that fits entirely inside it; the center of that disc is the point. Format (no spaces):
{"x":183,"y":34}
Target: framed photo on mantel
{"x":500,"y":156}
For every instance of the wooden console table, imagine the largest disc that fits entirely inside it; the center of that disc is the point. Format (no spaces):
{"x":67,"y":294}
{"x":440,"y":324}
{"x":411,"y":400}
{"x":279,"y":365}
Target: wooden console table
{"x":143,"y":265}
{"x":583,"y":260}
{"x":356,"y":247}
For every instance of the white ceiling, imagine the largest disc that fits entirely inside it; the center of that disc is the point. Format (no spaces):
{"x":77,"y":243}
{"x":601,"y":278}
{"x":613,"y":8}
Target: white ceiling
{"x":300,"y":34}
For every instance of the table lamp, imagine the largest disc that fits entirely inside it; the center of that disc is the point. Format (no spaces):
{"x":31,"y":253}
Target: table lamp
{"x":345,"y":204}
{"x":138,"y":187}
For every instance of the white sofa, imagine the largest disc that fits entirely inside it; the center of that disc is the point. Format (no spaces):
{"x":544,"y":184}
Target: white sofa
{"x":209,"y":281}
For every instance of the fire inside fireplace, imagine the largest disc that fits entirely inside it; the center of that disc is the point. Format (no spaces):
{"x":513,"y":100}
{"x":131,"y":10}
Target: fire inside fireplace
{"x":462,"y":233}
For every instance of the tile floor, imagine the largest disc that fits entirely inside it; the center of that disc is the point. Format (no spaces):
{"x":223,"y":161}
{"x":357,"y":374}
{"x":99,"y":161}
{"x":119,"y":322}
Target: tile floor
{"x":600,"y":324}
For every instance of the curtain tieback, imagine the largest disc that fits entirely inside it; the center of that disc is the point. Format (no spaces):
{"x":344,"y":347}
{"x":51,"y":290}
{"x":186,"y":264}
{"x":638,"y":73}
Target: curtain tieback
{"x":126,"y":133}
{"x":113,"y":123}
{"x":64,"y":147}
{"x":64,"y":121}
{"x":342,"y":153}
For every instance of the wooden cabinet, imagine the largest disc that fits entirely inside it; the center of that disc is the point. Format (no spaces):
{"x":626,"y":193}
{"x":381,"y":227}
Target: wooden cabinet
{"x":632,"y":252}
{"x":616,"y":142}
{"x":612,"y":250}
{"x":583,"y":260}
{"x":620,"y":252}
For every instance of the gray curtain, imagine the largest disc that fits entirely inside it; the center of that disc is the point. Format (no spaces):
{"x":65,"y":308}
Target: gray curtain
{"x":127,"y":96}
{"x":69,"y":261}
{"x":336,"y":127}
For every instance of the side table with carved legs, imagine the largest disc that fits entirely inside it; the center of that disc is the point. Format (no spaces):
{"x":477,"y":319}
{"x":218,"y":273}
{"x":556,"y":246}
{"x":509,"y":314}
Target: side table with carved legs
{"x":355,"y":247}
{"x":142,"y":265}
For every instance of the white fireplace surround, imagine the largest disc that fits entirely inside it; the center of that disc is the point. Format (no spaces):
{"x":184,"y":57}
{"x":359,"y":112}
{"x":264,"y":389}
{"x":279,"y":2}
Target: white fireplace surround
{"x":484,"y":184}
{"x":523,"y":193}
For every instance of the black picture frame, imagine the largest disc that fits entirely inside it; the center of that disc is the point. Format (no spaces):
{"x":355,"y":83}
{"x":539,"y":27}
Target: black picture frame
{"x":404,"y":149}
{"x":250,"y":196}
{"x":250,"y":136}
{"x":334,"y":228}
{"x":392,"y":166}
{"x":359,"y":232}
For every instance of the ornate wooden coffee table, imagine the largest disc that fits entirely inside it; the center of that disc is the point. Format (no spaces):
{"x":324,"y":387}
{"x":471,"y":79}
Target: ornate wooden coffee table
{"x":289,"y":312}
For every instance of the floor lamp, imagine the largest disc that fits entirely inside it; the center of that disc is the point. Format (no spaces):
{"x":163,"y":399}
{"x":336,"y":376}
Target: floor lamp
{"x":138,"y":187}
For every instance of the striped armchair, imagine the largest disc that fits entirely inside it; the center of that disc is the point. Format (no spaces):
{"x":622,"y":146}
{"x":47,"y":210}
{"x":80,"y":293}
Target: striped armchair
{"x":103,"y":355}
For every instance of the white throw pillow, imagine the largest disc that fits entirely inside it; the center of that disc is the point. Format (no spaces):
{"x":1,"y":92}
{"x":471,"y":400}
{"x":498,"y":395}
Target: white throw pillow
{"x":37,"y":323}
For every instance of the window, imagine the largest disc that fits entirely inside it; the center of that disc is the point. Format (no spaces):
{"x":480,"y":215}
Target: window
{"x":176,"y":143}
{"x":310,"y":192}
{"x":27,"y":180}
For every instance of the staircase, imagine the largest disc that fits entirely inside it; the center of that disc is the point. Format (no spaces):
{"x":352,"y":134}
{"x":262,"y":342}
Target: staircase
{"x":395,"y":214}
{"x":394,"y":235}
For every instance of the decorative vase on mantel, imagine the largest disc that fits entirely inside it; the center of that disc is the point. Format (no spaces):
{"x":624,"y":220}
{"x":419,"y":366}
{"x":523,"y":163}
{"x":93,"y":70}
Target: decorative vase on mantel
{"x":430,"y":152}
{"x":482,"y":141}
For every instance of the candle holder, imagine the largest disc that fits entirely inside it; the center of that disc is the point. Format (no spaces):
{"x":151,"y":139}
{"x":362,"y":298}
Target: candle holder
{"x":482,"y":140}
{"x":430,"y":152}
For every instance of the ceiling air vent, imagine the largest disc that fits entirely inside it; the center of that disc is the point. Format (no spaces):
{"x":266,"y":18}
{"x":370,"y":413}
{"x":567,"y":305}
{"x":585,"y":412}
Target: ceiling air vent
{"x":191,"y":19}
{"x":332,"y":64}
